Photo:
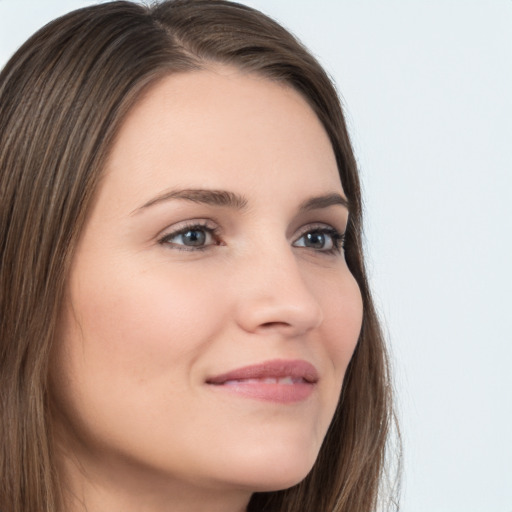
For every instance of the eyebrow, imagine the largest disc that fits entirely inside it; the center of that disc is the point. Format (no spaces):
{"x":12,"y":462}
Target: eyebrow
{"x":317,"y":203}
{"x":202,"y":196}
{"x":235,"y":201}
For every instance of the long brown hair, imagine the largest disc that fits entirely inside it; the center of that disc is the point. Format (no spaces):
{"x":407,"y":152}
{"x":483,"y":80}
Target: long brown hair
{"x":63,"y":97}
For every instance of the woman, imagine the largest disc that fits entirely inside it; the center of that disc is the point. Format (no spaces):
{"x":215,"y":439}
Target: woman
{"x":186,"y":321}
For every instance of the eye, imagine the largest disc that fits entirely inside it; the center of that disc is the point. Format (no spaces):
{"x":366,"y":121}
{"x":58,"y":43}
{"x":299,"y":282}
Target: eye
{"x":191,"y":237}
{"x":325,"y":239}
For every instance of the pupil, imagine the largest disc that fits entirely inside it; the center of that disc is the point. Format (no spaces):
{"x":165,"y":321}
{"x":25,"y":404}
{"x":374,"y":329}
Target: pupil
{"x":194,"y":237}
{"x":315,"y":240}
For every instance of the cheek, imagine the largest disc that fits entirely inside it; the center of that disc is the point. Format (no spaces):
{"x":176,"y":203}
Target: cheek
{"x":126,"y":352}
{"x":139,"y":330}
{"x":343,"y":315}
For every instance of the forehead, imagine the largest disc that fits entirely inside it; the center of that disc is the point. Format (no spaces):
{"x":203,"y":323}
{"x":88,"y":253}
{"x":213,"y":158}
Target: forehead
{"x":221,"y":128}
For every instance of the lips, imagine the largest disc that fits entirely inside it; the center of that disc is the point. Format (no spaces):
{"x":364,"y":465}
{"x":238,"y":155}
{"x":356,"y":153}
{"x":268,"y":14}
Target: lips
{"x":282,"y":381}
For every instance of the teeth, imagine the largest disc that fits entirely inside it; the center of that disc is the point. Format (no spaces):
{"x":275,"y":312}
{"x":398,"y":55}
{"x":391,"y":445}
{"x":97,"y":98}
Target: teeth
{"x":286,"y":381}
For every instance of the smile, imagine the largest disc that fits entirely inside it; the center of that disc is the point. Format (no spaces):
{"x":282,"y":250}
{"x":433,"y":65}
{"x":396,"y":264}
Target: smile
{"x":268,"y":380}
{"x":280,"y":381}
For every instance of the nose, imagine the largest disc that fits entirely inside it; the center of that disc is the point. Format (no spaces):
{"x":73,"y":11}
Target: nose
{"x":276,"y":297}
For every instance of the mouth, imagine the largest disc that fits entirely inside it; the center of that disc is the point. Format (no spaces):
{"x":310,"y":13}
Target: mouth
{"x":280,"y":381}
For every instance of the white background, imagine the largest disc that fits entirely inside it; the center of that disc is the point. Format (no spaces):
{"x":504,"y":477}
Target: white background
{"x":427,"y":87}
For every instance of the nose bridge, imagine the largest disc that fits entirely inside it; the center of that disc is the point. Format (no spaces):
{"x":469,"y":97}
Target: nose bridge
{"x":276,"y":296}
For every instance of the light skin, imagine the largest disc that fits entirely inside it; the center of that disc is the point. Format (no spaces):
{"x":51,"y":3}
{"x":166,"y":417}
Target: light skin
{"x":172,"y":283}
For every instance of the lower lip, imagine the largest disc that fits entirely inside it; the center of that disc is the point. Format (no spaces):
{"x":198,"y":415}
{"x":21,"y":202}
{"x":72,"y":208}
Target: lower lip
{"x":269,"y":392}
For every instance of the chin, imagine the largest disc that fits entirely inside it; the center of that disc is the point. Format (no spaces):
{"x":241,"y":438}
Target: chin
{"x":277,"y":479}
{"x":277,"y":470}
{"x":281,"y":481}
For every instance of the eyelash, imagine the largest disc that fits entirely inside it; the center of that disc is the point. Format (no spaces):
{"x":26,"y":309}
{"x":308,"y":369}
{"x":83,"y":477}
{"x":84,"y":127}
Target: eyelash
{"x":338,"y":239}
{"x":196,"y":226}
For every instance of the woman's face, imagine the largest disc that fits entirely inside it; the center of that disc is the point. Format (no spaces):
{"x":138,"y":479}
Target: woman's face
{"x":210,"y":313}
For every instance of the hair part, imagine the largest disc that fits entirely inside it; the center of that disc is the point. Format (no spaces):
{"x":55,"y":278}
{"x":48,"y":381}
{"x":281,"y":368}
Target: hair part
{"x":63,"y":97}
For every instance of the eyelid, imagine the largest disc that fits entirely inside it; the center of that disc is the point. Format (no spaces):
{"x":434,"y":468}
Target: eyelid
{"x":338,"y":236}
{"x":189,"y":225}
{"x":317,"y":226}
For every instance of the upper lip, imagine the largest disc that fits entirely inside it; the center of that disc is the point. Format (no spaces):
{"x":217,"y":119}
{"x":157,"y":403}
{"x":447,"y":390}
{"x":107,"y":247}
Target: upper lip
{"x":277,"y":369}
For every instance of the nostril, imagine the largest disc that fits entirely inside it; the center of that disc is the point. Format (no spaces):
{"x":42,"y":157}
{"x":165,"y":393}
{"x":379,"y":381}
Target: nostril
{"x":274,"y":324}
